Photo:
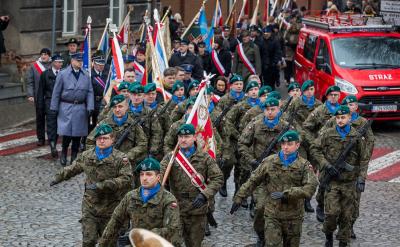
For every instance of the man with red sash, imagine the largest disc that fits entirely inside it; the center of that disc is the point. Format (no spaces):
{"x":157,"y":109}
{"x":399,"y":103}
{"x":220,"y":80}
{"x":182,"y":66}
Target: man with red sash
{"x":194,"y":180}
{"x":32,"y":81}
{"x":221,"y":59}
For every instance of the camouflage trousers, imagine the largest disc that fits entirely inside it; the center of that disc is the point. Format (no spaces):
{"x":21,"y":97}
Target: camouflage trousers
{"x":259,"y":199}
{"x":282,"y":232}
{"x":356,"y":212}
{"x":339,"y":209}
{"x":193,"y":227}
{"x":92,"y":227}
{"x":230,"y":161}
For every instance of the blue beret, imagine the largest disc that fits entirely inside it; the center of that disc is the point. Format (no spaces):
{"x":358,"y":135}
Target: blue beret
{"x":148,"y":164}
{"x":187,"y":67}
{"x":128,"y":58}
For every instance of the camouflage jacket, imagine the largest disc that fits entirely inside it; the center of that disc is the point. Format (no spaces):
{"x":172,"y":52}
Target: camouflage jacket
{"x":296,"y":181}
{"x":178,"y":112}
{"x":250,"y":115}
{"x":181,"y":185}
{"x":232,"y":120}
{"x":301,"y":111}
{"x":315,"y":121}
{"x":159,"y":215}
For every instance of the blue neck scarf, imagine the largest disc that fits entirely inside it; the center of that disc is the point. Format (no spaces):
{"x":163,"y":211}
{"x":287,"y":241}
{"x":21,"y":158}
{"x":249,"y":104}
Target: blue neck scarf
{"x":147,"y":194}
{"x":211,"y":107}
{"x":308,"y":101}
{"x":253,"y":101}
{"x":177,"y":99}
{"x":331,"y":108}
{"x":290,"y":158}
{"x":136,"y":109}
{"x":152,"y":105}
{"x":103,"y":153}
{"x":120,"y":121}
{"x":354,"y":116}
{"x":271,"y":123}
{"x":188,"y":151}
{"x":237,"y":96}
{"x":343,"y":132}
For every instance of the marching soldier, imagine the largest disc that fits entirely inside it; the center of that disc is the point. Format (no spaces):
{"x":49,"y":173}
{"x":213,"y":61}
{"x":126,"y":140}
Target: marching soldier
{"x":286,"y":179}
{"x":72,"y":46}
{"x":108,"y":178}
{"x":340,"y":193}
{"x":44,"y":94}
{"x":149,"y":207}
{"x":179,"y":111}
{"x":193,"y":200}
{"x":178,"y":95}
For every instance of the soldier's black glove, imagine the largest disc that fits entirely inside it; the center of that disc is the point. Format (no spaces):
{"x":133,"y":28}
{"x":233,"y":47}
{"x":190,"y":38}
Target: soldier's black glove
{"x":279,"y":196}
{"x":235,"y":207}
{"x":199,"y":201}
{"x":332,"y":171}
{"x":360,"y":185}
{"x":254,"y":164}
{"x":52,"y":183}
{"x":91,"y":186}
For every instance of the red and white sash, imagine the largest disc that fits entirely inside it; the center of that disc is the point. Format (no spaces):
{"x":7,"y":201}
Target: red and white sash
{"x":39,"y":67}
{"x":100,"y":81}
{"x":245,"y":60}
{"x":217,"y":63}
{"x":195,"y":177}
{"x":138,"y":67}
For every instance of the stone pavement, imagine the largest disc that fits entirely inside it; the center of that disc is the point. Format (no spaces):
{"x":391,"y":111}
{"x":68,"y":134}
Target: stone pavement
{"x":33,"y":214}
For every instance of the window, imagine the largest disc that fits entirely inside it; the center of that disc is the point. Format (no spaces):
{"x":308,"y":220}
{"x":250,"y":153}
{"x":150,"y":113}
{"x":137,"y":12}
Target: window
{"x":117,"y":11}
{"x":324,"y":52}
{"x":70,"y":16}
{"x":309,"y":47}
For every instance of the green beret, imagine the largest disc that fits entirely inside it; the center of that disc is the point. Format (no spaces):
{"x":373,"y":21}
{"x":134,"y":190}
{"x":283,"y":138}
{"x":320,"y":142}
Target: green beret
{"x":136,"y":88}
{"x":178,"y":84}
{"x":186,"y":129}
{"x":117,"y":99}
{"x":103,"y":129}
{"x":275,"y":94}
{"x":270,"y":102}
{"x":251,"y":85}
{"x":148,"y":164}
{"x":194,"y":83}
{"x":264,"y":90}
{"x":349,"y":99}
{"x":124,"y":85}
{"x":209,"y":90}
{"x":306,"y":85}
{"x":150,"y":87}
{"x":235,"y":78}
{"x":342,"y":110}
{"x":332,"y":89}
{"x":190,"y":102}
{"x":289,"y":136}
{"x":292,"y":86}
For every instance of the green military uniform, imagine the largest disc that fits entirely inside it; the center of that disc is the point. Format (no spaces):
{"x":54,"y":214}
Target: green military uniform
{"x":179,"y":110}
{"x":339,"y":198}
{"x":252,"y":53}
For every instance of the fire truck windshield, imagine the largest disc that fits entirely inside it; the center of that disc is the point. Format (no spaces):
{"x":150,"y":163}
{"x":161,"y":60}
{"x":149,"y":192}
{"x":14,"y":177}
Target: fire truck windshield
{"x":367,"y":52}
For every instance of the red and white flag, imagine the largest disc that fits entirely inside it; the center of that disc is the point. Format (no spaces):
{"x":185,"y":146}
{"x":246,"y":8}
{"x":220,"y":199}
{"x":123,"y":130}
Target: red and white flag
{"x":245,"y":60}
{"x":117,"y":59}
{"x":123,"y":33}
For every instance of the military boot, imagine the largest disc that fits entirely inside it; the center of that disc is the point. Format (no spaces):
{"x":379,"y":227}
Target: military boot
{"x":342,"y":244}
{"x":63,"y":158}
{"x":320,"y":214}
{"x":307,"y":206}
{"x":222,"y":190}
{"x":260,"y":240}
{"x":207,"y":231}
{"x":353,"y":234}
{"x":329,"y":240}
{"x":53,"y":149}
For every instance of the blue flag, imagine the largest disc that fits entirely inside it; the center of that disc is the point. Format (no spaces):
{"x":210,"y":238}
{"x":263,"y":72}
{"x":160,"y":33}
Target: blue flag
{"x":86,"y":58}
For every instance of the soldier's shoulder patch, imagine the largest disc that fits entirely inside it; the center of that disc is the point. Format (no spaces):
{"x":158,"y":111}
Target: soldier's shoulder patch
{"x":174,"y":205}
{"x":125,"y":160}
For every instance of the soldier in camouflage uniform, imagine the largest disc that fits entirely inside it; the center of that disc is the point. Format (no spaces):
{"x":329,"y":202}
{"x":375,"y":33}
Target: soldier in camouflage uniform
{"x":178,"y":96}
{"x":149,"y":207}
{"x":340,"y":194}
{"x":286,"y":179}
{"x":311,"y":126}
{"x":108,"y":178}
{"x":255,"y":138}
{"x":193,"y":203}
{"x":179,"y":111}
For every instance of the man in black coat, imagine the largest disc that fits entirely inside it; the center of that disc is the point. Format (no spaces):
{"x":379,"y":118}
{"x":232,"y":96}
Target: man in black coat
{"x":186,"y":57}
{"x":270,"y":56}
{"x":204,"y":56}
{"x":4,"y":20}
{"x":224,"y":57}
{"x":45,"y":91}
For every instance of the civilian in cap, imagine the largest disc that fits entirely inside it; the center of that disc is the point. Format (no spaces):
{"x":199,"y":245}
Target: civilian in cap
{"x":204,"y":56}
{"x":193,"y":204}
{"x":251,"y":55}
{"x":186,"y":57}
{"x":140,"y":59}
{"x":176,"y":43}
{"x":128,"y":61}
{"x":72,"y":46}
{"x":224,"y":58}
{"x":256,"y":35}
{"x":32,"y":81}
{"x":134,"y":206}
{"x":108,"y":177}
{"x":73,"y":99}
{"x":44,"y":94}
{"x":187,"y":79}
{"x":271,"y":55}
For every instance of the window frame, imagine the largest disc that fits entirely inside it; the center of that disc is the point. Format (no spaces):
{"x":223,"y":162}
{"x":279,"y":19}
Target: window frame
{"x":312,"y":47}
{"x":121,"y":10}
{"x":65,"y":12}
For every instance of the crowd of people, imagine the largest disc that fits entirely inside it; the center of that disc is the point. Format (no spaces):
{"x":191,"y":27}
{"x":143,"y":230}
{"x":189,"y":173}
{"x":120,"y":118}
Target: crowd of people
{"x":145,"y":167}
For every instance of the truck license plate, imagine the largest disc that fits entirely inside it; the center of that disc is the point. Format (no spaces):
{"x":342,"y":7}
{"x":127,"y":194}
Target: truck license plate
{"x":384,"y":108}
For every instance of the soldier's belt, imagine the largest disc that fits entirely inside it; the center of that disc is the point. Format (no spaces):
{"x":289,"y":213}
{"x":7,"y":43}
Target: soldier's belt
{"x":74,"y":102}
{"x":195,"y":177}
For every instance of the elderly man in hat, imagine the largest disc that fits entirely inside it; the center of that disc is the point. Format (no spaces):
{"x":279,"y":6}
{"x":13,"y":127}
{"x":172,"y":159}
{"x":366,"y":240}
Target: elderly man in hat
{"x":108,"y":178}
{"x":271,"y":54}
{"x":73,"y":99}
{"x":44,"y":94}
{"x":32,"y":79}
{"x":72,"y":46}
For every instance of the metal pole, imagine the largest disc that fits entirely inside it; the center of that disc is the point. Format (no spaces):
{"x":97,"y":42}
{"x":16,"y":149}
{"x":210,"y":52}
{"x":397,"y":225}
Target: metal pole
{"x":53,"y":27}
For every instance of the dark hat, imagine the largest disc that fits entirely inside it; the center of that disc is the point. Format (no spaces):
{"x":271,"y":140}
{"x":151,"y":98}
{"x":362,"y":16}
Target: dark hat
{"x":46,"y":51}
{"x":190,"y":102}
{"x":77,"y":56}
{"x":57,"y":58}
{"x":186,"y":129}
{"x":100,"y":60}
{"x":194,"y":83}
{"x":271,"y":101}
{"x":292,"y":86}
{"x":176,"y":40}
{"x":253,"y":28}
{"x":332,"y":89}
{"x":275,"y":94}
{"x":148,"y":164}
{"x":124,"y":85}
{"x":178,"y":84}
{"x":72,"y":41}
{"x":226,"y":27}
{"x":250,"y":85}
{"x":264,"y":90}
{"x":184,"y":42}
{"x":141,"y":50}
{"x":150,"y":87}
{"x":116,"y":100}
{"x":268,"y":29}
{"x":136,"y":88}
{"x":349,"y":99}
{"x":290,"y":136}
{"x":235,"y":78}
{"x":201,"y":44}
{"x":128,"y":58}
{"x":102,"y":129}
{"x":187,"y":67}
{"x":342,"y":110}
{"x":219,"y":41}
{"x":306,"y":85}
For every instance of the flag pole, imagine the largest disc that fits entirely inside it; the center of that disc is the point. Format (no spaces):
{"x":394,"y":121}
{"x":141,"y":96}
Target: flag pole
{"x":166,"y":13}
{"x":255,"y":14}
{"x":169,"y":167}
{"x":157,"y":22}
{"x":108,"y":21}
{"x":194,"y":19}
{"x":130,"y":6}
{"x":230,"y":12}
{"x":89,"y":23}
{"x":113,"y":29}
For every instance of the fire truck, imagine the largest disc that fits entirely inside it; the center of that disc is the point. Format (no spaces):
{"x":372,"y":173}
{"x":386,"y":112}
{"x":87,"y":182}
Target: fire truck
{"x":359,"y":54}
